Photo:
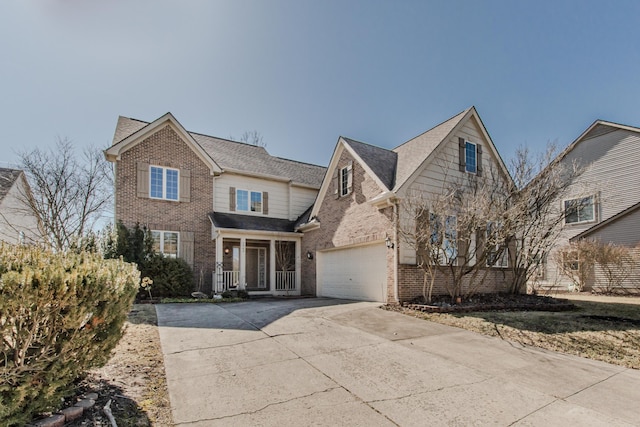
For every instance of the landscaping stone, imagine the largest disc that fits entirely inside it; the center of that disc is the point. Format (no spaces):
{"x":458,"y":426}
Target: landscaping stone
{"x":56,"y":420}
{"x":92,"y":396}
{"x":72,"y":413}
{"x":86,"y":403}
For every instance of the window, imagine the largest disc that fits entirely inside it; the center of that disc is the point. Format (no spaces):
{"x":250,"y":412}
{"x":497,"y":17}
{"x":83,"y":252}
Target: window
{"x":443,"y":238}
{"x":571,"y":260}
{"x":165,"y":242}
{"x":497,"y":253}
{"x":470,"y":157}
{"x":345,"y":180}
{"x":249,"y":201}
{"x":579,"y":210}
{"x":164,"y":183}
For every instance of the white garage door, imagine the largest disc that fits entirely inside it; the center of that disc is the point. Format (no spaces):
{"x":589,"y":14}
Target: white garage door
{"x":355,"y":273}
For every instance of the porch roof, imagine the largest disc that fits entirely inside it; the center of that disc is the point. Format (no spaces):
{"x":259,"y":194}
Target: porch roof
{"x":250,"y":222}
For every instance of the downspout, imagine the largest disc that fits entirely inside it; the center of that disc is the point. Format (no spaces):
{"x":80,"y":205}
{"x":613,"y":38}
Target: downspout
{"x":395,"y":251}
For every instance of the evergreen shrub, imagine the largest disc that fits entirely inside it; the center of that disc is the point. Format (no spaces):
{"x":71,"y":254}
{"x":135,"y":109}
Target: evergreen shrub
{"x":60,"y":315}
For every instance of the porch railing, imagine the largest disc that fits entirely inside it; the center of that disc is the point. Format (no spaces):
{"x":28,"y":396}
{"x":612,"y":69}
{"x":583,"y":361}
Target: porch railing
{"x":227,"y":280}
{"x":285,"y":280}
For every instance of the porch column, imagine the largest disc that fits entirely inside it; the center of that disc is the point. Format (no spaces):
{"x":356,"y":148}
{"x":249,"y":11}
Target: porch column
{"x":272,"y":265}
{"x":243,"y":261}
{"x":217,"y":279}
{"x":298,"y":245}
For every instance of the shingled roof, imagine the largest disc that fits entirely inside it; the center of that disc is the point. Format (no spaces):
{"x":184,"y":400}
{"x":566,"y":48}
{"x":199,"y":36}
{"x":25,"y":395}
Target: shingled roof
{"x":238,"y":156}
{"x":7,"y":178}
{"x":250,"y":222}
{"x":381,"y":161}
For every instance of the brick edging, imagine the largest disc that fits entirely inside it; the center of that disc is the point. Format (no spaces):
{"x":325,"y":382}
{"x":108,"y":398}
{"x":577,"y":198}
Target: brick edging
{"x":66,"y":415}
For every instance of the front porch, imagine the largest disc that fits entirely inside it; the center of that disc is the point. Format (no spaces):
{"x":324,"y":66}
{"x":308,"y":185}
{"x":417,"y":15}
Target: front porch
{"x":260,"y":266}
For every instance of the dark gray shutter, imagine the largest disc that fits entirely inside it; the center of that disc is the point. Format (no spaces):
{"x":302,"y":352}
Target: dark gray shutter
{"x":186,"y":246}
{"x":142,"y":178}
{"x":185,"y":185}
{"x":265,"y":203}
{"x":480,"y":249}
{"x":462,"y":147}
{"x":479,"y":160}
{"x":232,"y":199}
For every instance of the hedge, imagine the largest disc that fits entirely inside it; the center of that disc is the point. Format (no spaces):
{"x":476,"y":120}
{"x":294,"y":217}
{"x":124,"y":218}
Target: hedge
{"x":60,"y":315}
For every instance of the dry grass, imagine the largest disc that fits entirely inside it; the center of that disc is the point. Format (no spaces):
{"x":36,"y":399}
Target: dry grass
{"x":601,"y":328}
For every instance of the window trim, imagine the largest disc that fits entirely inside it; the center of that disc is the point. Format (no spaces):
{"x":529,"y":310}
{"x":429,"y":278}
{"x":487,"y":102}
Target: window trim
{"x":344,"y":181}
{"x":250,"y":193}
{"x":475,"y":157}
{"x":578,"y":222}
{"x":164,"y":170}
{"x":161,"y":245}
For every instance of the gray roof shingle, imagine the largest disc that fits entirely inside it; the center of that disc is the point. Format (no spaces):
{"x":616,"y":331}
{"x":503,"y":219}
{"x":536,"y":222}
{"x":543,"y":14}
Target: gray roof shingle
{"x":381,"y":161}
{"x":250,"y":222}
{"x":7,"y":178}
{"x":240,"y":156}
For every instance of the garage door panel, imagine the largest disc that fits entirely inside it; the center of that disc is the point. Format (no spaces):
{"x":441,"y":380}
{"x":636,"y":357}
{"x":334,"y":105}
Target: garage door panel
{"x":354,"y":273}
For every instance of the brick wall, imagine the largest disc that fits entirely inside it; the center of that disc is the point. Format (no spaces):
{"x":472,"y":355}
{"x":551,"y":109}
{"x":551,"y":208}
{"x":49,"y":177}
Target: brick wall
{"x":166,"y":148}
{"x":346,"y":221}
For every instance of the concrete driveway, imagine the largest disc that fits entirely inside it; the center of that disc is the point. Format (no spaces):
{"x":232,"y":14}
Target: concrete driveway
{"x":330,"y":362}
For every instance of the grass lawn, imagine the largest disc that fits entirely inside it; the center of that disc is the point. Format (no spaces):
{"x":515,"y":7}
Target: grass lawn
{"x":601,"y":328}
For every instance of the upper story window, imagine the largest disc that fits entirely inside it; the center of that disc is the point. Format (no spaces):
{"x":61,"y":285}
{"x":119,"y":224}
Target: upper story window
{"x":345,"y":179}
{"x":164,"y":183}
{"x":471,"y":157}
{"x":579,"y":210}
{"x":444,"y":237}
{"x":166,"y":242}
{"x":249,"y":201}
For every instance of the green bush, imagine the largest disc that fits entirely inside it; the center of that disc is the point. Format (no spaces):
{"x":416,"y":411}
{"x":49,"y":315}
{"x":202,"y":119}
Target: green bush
{"x":172,"y":277}
{"x":60,"y":314}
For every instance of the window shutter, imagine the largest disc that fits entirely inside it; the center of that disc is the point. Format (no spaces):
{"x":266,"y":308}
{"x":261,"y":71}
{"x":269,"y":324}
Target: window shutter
{"x":349,"y":177}
{"x":142,"y":177}
{"x":185,"y":185}
{"x":480,"y":249}
{"x":265,"y":203}
{"x":462,"y":147}
{"x":186,"y":247}
{"x":479,"y":160}
{"x":232,"y":199}
{"x":336,"y":183}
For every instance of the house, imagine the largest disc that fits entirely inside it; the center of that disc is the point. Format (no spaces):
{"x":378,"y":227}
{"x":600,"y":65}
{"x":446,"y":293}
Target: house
{"x":18,"y":224}
{"x":603,"y":203}
{"x":351,"y":239}
{"x":228,"y":208}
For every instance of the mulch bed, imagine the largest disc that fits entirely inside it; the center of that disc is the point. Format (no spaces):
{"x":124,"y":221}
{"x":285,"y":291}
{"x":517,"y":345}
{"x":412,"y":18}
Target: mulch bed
{"x":490,"y":302}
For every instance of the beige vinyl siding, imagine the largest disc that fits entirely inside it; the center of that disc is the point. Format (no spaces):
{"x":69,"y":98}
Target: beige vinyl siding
{"x":301,"y":199}
{"x":443,"y":170}
{"x":16,"y":217}
{"x":278,"y":194}
{"x":624,"y":231}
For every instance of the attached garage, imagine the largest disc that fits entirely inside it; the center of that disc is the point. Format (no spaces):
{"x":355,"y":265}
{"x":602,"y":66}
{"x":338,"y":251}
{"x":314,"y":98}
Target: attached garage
{"x":358,"y":273}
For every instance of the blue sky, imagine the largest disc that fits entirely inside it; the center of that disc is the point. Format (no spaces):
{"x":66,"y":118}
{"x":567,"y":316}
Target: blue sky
{"x":302,"y":73}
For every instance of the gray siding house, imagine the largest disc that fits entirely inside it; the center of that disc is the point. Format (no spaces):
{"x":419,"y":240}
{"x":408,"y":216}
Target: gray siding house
{"x":18,"y":225}
{"x":608,"y":193}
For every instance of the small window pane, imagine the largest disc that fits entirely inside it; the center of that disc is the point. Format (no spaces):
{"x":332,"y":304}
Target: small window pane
{"x":344,"y":181}
{"x":579,"y":210}
{"x":470,"y":158}
{"x":170,"y":248}
{"x":242,"y":200}
{"x":256,"y":202}
{"x":156,"y":182}
{"x":172,"y":184}
{"x":156,"y":236}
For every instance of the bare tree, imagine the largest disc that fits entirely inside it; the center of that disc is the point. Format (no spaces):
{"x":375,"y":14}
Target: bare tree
{"x":458,"y":231}
{"x":615,"y":264}
{"x":251,"y":137}
{"x":576,"y":261}
{"x":68,"y":194}
{"x":534,"y":213}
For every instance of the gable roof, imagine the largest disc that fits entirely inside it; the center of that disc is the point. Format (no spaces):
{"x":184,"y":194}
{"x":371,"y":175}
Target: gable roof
{"x":222,"y":155}
{"x":413,"y":153}
{"x":606,"y":222}
{"x":8,"y":177}
{"x":381,"y":161}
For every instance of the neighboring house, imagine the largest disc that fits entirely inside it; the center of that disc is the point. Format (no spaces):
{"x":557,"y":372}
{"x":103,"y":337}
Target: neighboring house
{"x":604,"y":201}
{"x":351,"y":235}
{"x":228,"y":208}
{"x":18,"y":224}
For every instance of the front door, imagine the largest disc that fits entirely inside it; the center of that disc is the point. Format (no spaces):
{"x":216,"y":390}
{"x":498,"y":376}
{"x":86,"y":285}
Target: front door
{"x":256,"y":271}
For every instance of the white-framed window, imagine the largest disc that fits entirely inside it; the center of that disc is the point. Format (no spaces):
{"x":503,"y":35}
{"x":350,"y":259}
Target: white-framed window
{"x":249,"y":201}
{"x":582,"y":209}
{"x":163,"y":183}
{"x":166,"y":242}
{"x":345,"y":180}
{"x":471,"y":155}
{"x":571,"y":260}
{"x":497,"y":253}
{"x":444,"y":235}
